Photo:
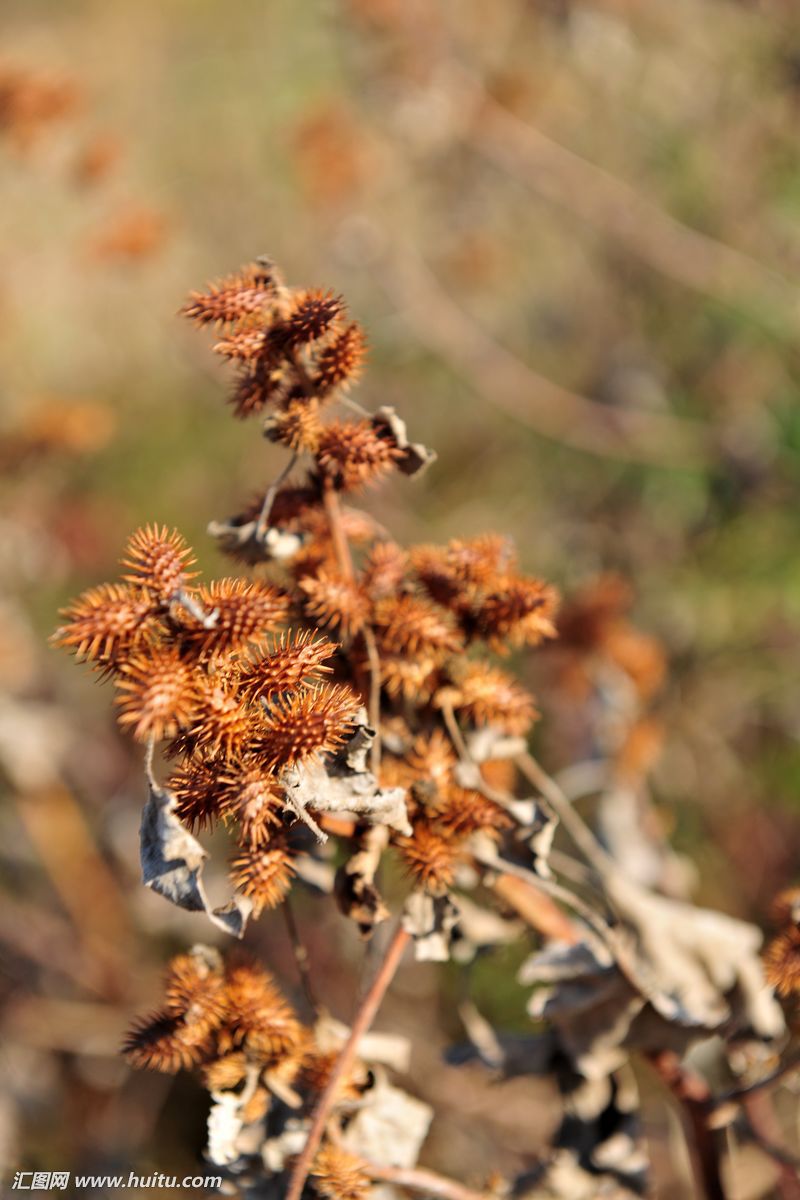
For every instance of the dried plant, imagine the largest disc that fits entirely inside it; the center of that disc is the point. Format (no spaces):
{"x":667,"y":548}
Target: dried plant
{"x":353,"y":690}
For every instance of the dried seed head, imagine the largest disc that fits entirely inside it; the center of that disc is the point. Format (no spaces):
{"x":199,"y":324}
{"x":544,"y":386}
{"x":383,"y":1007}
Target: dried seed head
{"x":351,"y":455}
{"x":257,"y":386}
{"x":223,"y":725}
{"x":316,"y":1071}
{"x":195,"y":787}
{"x":782,"y":961}
{"x":226,"y":1073}
{"x":432,"y":759}
{"x":163,"y":1042}
{"x":518,"y":613}
{"x":297,"y":426}
{"x":264,"y":873}
{"x":412,"y":678}
{"x":297,"y":658}
{"x":195,"y":991}
{"x":229,"y":300}
{"x":454,"y":575}
{"x":334,"y":602}
{"x":384,"y":569}
{"x":430,"y":857}
{"x":339,"y":1175}
{"x":413,"y":626}
{"x":487,"y":695}
{"x":785,"y":908}
{"x":339,"y":363}
{"x":312,"y":314}
{"x":257,"y":1106}
{"x":467,"y":812}
{"x":158,"y":561}
{"x":246,"y":612}
{"x":313,"y":722}
{"x":250,"y":341}
{"x":640,"y":656}
{"x":106,"y":624}
{"x":157,"y":693}
{"x":259,"y":1018}
{"x":249,"y":793}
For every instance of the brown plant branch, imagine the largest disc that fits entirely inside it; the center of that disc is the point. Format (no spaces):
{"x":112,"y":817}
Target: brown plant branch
{"x":694,"y":1096}
{"x":577,"y":829}
{"x":374,"y":706}
{"x":341,"y":546}
{"x":300,"y":956}
{"x":536,"y":909}
{"x":269,"y":498}
{"x":764,"y":1129}
{"x":420,"y":1179}
{"x":736,"y":1095}
{"x":365,"y":1016}
{"x":508,"y":383}
{"x":618,"y":210}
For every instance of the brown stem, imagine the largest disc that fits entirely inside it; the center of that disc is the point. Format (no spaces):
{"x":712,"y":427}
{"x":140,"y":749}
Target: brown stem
{"x":300,"y":956}
{"x":767,"y":1134}
{"x":614,"y":206}
{"x":580,"y":833}
{"x":419,"y":1179}
{"x":269,"y":498}
{"x":374,"y":707}
{"x":735,"y":1095}
{"x":538,"y":910}
{"x":694,"y":1096}
{"x":512,"y":385}
{"x":341,"y":546}
{"x":364,"y":1018}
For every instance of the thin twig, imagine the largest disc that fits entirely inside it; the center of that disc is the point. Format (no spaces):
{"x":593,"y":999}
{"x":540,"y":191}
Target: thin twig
{"x":694,"y":1096}
{"x":300,"y":956}
{"x":374,"y":706}
{"x":506,"y":382}
{"x":269,"y":499}
{"x":341,"y":546}
{"x":761,"y":1122}
{"x":735,"y":1095}
{"x":456,"y":736}
{"x":207,"y":619}
{"x":420,"y":1179}
{"x":149,"y":755}
{"x":612,"y":205}
{"x":575,"y":826}
{"x":364,"y":1018}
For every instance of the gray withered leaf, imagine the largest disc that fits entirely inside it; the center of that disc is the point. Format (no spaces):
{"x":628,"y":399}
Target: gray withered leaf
{"x":173,"y":860}
{"x":432,"y":921}
{"x":669,"y":975}
{"x":414,"y":456}
{"x":343,"y":783}
{"x":389,"y":1126}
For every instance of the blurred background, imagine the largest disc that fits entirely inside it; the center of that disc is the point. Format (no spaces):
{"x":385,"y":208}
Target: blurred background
{"x":570,"y":229}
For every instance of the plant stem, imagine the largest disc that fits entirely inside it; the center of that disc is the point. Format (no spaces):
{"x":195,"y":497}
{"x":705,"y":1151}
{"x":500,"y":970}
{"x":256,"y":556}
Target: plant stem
{"x":419,"y":1179}
{"x":341,"y":545}
{"x":300,"y":956}
{"x":269,"y":498}
{"x":364,"y":1018}
{"x":694,"y":1096}
{"x":580,"y":833}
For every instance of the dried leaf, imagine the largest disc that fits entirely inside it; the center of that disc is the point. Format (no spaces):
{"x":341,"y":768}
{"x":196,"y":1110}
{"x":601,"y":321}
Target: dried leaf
{"x":432,"y":921}
{"x":681,"y":973}
{"x":415,"y":456}
{"x":389,"y":1127}
{"x":172,"y":864}
{"x":344,"y":784}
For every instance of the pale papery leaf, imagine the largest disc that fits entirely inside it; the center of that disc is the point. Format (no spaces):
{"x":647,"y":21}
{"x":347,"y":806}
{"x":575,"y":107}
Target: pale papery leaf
{"x":173,"y":861}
